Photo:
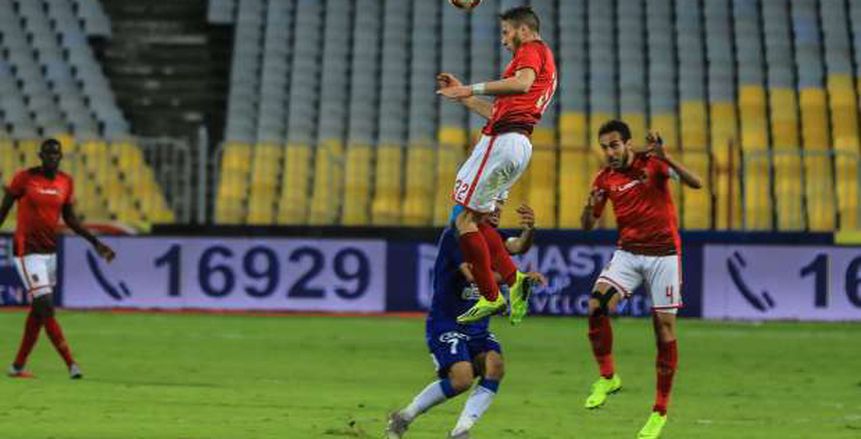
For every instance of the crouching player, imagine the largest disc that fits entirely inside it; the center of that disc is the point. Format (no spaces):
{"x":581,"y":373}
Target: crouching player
{"x":461,"y":352}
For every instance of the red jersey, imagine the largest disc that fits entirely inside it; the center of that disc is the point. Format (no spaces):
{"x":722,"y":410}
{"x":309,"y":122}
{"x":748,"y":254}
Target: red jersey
{"x":40,"y":201}
{"x":521,"y":112}
{"x":643,"y":206}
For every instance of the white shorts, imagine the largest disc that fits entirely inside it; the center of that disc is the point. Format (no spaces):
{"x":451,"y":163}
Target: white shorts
{"x":661,"y":274}
{"x":38,"y":272}
{"x":493,"y":167}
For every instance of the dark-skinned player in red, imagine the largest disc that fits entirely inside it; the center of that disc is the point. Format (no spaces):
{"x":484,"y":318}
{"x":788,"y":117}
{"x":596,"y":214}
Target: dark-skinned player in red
{"x":43,"y":194}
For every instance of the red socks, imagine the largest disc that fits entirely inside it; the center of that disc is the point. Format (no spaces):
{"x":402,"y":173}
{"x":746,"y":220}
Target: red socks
{"x":500,"y":259}
{"x":667,"y":361}
{"x":28,"y":340}
{"x":476,"y":252}
{"x":601,"y":337}
{"x":56,"y":336}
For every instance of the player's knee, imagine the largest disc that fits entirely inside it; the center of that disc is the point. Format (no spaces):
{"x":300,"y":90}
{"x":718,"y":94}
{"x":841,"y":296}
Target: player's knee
{"x":495,"y":369}
{"x":603,"y":300}
{"x":461,"y":382}
{"x":461,"y":376}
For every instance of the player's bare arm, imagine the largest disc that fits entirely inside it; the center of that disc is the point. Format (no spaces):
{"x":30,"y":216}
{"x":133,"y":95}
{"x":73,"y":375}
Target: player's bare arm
{"x":482,"y":107}
{"x":517,"y":84}
{"x":71,"y":220}
{"x":588,"y":218}
{"x":6,"y":206}
{"x":521,"y":244}
{"x":656,"y":146}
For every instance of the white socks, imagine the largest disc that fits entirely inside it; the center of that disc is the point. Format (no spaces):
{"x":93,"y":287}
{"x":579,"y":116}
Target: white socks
{"x":478,"y":403}
{"x":435,"y":393}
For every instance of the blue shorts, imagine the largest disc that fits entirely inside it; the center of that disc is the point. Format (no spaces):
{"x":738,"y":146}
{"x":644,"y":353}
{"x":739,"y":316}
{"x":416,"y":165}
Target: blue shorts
{"x":450,"y":347}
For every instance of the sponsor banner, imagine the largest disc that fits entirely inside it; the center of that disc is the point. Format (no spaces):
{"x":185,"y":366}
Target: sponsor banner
{"x":571,"y":269}
{"x":782,"y":282}
{"x":12,"y":291}
{"x":234,"y":273}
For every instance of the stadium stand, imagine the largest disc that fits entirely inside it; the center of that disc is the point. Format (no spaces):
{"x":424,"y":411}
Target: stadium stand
{"x":52,"y":85}
{"x":759,"y":97}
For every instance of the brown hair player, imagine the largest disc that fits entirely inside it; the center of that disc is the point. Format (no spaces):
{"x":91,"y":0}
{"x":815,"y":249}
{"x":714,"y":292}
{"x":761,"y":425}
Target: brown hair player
{"x":500,"y":157}
{"x":43,"y":193}
{"x":636,"y":180}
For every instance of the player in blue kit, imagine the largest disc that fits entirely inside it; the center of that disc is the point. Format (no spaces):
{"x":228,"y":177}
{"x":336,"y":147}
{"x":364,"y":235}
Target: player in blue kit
{"x":461,"y":352}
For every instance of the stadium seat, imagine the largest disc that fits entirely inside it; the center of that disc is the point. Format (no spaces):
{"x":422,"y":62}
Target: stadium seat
{"x":386,"y":207}
{"x":295,"y":185}
{"x":543,"y":187}
{"x":419,"y":190}
{"x":265,"y":173}
{"x":233,"y":183}
{"x":450,"y":154}
{"x":328,"y":183}
{"x":357,"y":185}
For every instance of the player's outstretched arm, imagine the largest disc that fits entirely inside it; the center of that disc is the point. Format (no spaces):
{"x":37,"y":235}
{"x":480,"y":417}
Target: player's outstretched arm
{"x":71,"y":220}
{"x":478,"y":106}
{"x":587,"y":217}
{"x":523,"y":243}
{"x":6,"y":206}
{"x":517,"y":84}
{"x":656,"y":146}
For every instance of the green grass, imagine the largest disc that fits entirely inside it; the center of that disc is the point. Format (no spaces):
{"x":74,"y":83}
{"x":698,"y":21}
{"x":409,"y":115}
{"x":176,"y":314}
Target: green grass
{"x":214,"y":376}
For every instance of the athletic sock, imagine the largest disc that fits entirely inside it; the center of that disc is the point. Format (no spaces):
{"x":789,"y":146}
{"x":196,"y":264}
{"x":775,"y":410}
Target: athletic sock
{"x":55,"y":333}
{"x":478,"y":403}
{"x":601,"y":337}
{"x":435,"y":393}
{"x":666,"y":364}
{"x":500,"y":260}
{"x":28,"y":340}
{"x":476,"y":252}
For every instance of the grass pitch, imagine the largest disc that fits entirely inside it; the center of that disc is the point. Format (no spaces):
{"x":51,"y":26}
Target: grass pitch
{"x":234,"y":376}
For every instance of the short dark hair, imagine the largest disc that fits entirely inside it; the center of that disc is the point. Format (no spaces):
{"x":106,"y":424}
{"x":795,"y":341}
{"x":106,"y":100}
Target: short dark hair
{"x":522,"y":15}
{"x":48,"y":143}
{"x":617,"y":126}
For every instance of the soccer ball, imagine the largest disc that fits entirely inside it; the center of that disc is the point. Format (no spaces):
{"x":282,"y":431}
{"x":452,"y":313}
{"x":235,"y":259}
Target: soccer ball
{"x":466,"y":5}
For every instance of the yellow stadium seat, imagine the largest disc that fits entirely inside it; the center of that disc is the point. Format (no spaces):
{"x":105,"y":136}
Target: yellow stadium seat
{"x":419,"y":192}
{"x":357,"y":185}
{"x":819,"y":187}
{"x":697,"y":204}
{"x":848,"y":180}
{"x":637,"y":123}
{"x":789,"y":191}
{"x":754,"y":144}
{"x":844,"y":112}
{"x":693,"y":125}
{"x":328,"y":183}
{"x":233,"y":183}
{"x":9,"y":160}
{"x":450,"y":154}
{"x":573,"y":130}
{"x":727,"y":162}
{"x":386,"y":207}
{"x":128,"y":156}
{"x":814,"y":119}
{"x":577,"y":169}
{"x":543,"y":188}
{"x":29,"y":149}
{"x":295,"y":184}
{"x":265,"y":172}
{"x":667,"y":125}
{"x":788,"y":171}
{"x":784,"y":118}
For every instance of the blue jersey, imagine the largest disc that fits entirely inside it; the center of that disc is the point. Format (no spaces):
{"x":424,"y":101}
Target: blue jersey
{"x":452,"y":293}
